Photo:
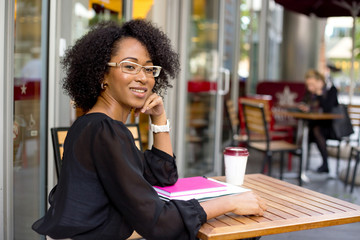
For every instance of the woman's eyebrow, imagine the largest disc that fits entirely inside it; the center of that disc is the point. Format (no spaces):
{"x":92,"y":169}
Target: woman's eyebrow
{"x":135,"y":59}
{"x":129,"y":58}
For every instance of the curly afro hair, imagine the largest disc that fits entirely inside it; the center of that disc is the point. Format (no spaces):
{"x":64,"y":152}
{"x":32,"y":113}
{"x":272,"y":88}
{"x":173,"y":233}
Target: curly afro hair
{"x":85,"y":63}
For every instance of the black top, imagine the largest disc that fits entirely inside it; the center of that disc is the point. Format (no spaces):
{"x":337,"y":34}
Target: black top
{"x":105,"y":188}
{"x":325,"y":102}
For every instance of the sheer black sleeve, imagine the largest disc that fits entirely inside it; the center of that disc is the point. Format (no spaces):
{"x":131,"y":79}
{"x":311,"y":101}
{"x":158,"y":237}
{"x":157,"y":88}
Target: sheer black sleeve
{"x":124,"y":172}
{"x":160,"y":168}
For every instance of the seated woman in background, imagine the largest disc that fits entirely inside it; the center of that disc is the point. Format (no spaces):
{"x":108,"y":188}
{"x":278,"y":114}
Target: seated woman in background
{"x":320,"y":97}
{"x":105,"y":186}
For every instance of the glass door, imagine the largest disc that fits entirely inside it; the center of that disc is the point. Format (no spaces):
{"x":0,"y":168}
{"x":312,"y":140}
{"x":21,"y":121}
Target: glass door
{"x":29,"y":66}
{"x":209,"y":60}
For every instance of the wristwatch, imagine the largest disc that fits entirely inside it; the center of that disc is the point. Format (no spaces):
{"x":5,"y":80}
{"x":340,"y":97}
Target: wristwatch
{"x":160,"y":128}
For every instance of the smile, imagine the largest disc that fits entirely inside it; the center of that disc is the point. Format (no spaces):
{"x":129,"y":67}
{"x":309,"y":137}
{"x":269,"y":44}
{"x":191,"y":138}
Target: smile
{"x":138,"y":90}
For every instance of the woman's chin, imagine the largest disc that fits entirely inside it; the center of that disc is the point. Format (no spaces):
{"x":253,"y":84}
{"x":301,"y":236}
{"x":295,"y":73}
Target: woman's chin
{"x":137,"y":106}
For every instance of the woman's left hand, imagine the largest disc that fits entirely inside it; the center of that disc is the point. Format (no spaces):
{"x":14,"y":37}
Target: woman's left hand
{"x":153,"y":106}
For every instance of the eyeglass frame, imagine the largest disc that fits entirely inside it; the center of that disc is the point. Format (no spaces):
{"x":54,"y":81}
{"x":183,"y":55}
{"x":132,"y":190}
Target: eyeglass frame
{"x":115,"y":64}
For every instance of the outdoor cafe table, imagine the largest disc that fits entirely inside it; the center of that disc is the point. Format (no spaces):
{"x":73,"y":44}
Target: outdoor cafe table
{"x":303,"y":131}
{"x":290,"y":208}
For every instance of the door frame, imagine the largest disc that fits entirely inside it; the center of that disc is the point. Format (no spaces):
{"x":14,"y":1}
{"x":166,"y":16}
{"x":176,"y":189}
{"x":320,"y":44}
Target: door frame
{"x":219,"y":97}
{"x":181,"y":88}
{"x":6,"y":119}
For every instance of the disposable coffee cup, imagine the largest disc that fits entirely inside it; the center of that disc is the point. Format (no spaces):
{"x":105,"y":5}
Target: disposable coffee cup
{"x":235,"y":164}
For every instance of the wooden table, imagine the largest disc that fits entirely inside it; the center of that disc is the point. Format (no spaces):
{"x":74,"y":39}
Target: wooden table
{"x":311,"y":116}
{"x":290,"y":208}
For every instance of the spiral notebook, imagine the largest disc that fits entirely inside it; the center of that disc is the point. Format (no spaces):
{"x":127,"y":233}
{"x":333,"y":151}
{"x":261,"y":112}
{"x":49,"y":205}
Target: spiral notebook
{"x":200,"y":188}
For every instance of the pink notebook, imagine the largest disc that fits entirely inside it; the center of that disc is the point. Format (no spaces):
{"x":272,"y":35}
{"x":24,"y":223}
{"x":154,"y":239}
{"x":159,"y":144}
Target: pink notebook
{"x":191,"y":186}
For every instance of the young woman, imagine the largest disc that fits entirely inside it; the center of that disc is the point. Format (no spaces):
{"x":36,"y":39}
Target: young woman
{"x":320,"y":98}
{"x":105,"y":187}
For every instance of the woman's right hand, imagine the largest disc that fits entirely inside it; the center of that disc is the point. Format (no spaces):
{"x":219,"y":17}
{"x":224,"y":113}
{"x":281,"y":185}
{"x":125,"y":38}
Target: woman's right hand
{"x":304,"y":107}
{"x":249,"y":203}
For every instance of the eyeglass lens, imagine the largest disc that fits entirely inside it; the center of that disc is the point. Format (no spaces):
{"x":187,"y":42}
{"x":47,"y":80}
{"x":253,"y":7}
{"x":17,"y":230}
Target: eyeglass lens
{"x":133,"y":68}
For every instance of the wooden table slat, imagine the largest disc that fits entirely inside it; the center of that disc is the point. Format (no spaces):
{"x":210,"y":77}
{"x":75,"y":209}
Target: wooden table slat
{"x":229,"y":220}
{"x":290,"y":208}
{"x":216,"y":223}
{"x":277,"y":214}
{"x":242,"y":219}
{"x":259,"y":219}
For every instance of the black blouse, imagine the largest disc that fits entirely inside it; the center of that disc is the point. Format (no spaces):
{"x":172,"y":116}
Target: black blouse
{"x":325,"y":102}
{"x":105,"y":188}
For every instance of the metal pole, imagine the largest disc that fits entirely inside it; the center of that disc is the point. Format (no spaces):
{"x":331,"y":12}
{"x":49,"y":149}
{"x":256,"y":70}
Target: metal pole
{"x":352,"y":76}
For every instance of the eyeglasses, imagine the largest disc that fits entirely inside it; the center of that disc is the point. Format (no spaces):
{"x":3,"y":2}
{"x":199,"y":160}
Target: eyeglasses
{"x":134,"y":68}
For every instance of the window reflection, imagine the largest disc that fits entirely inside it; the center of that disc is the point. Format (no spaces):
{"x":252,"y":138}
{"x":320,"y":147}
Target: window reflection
{"x":202,"y":75}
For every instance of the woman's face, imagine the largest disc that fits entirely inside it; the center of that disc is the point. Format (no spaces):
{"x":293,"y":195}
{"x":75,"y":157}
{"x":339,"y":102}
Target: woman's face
{"x":314,"y":85}
{"x":130,"y":90}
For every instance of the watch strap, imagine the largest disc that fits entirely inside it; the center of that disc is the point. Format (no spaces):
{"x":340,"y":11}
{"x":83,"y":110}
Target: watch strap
{"x":160,"y":128}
